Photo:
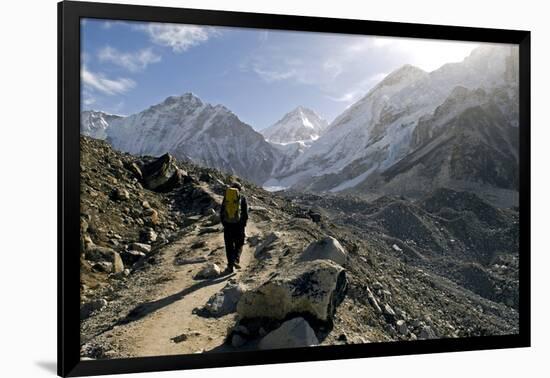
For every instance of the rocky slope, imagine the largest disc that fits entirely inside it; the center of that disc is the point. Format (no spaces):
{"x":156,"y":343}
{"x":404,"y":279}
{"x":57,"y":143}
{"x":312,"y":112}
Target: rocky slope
{"x":341,"y":270}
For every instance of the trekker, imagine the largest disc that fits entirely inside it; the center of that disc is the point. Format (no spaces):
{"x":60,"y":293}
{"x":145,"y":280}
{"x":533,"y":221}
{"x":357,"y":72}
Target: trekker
{"x":234,"y":215}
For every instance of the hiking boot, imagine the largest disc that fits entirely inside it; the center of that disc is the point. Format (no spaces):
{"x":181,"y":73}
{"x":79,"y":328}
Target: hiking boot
{"x":228,"y":270}
{"x":237,"y":266}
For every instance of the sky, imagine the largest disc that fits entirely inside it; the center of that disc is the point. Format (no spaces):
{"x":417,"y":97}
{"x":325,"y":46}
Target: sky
{"x":258,"y":74}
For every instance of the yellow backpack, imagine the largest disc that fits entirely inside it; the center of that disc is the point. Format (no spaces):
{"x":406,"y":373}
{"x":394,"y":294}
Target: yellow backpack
{"x":232,"y":201}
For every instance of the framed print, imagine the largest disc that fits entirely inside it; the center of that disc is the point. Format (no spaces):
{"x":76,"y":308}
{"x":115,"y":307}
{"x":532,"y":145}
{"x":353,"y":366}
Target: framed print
{"x":240,"y":188}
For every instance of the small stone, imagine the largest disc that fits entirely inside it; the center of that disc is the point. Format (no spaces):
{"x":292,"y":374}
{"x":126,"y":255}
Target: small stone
{"x":120,"y":194}
{"x":343,"y":337}
{"x":427,"y":333}
{"x":140,"y":247}
{"x":210,"y":270}
{"x":178,"y":339}
{"x":388,"y":310}
{"x":148,"y":235}
{"x":238,"y":341}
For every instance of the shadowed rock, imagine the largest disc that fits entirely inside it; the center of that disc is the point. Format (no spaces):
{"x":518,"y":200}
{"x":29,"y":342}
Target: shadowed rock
{"x":293,"y":333}
{"x":162,"y":174}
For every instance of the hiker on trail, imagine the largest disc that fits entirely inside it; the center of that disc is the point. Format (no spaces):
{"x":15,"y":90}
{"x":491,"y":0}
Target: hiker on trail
{"x":234,"y":215}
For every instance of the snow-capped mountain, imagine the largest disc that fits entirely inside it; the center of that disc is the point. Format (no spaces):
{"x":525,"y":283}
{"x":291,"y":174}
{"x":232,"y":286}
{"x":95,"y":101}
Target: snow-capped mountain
{"x":94,"y":124}
{"x":377,"y":131}
{"x":470,"y":143}
{"x":301,"y":124}
{"x":188,"y":128}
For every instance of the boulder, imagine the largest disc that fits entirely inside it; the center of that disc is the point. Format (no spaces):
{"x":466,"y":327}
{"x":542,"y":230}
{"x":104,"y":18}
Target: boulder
{"x":402,"y":327}
{"x":131,"y":257}
{"x":327,"y":248}
{"x":315,"y":216}
{"x":99,"y":254}
{"x":140,"y":247}
{"x":293,"y":333}
{"x":162,"y":174}
{"x":210,"y":270}
{"x":310,"y":287}
{"x":223,"y":302}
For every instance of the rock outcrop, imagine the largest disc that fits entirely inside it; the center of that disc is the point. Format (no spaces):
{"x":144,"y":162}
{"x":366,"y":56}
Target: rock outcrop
{"x":162,"y":174}
{"x":314,"y":288}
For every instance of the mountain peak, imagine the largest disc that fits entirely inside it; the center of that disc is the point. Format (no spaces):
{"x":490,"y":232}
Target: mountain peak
{"x":300,"y":124}
{"x":405,"y":73}
{"x":186,"y":98}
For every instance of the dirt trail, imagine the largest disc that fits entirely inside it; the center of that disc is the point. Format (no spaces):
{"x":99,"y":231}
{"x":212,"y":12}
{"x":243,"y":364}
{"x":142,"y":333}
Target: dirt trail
{"x":166,"y":325}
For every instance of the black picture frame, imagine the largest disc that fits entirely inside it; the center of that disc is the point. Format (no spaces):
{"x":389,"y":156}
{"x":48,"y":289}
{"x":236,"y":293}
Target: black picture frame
{"x":69,"y":14}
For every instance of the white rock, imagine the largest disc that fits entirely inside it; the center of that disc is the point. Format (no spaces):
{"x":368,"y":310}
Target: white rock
{"x":293,"y":333}
{"x":210,"y":270}
{"x":327,"y":248}
{"x":140,"y":247}
{"x":396,"y":248}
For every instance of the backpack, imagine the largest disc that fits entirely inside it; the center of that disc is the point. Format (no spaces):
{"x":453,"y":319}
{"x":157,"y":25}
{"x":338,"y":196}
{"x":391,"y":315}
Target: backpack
{"x":232,"y":201}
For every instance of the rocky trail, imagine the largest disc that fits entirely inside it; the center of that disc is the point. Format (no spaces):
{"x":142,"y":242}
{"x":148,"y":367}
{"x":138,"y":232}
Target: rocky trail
{"x":315,"y":270}
{"x":164,"y":323}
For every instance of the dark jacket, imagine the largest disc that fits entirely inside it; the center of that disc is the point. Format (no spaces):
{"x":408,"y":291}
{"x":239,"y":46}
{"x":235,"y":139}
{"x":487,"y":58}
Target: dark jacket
{"x":244,"y":213}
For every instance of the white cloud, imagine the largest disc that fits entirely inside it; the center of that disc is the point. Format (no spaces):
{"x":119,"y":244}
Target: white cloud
{"x":359,"y":90}
{"x":89,"y":100}
{"x":271,"y":76}
{"x":132,"y":61}
{"x":427,"y":54}
{"x":103,"y":84}
{"x":347,"y":97}
{"x":178,"y":37}
{"x":344,"y":68}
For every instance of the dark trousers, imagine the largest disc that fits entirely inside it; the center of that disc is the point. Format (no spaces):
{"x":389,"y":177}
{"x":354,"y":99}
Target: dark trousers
{"x":233,"y":235}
